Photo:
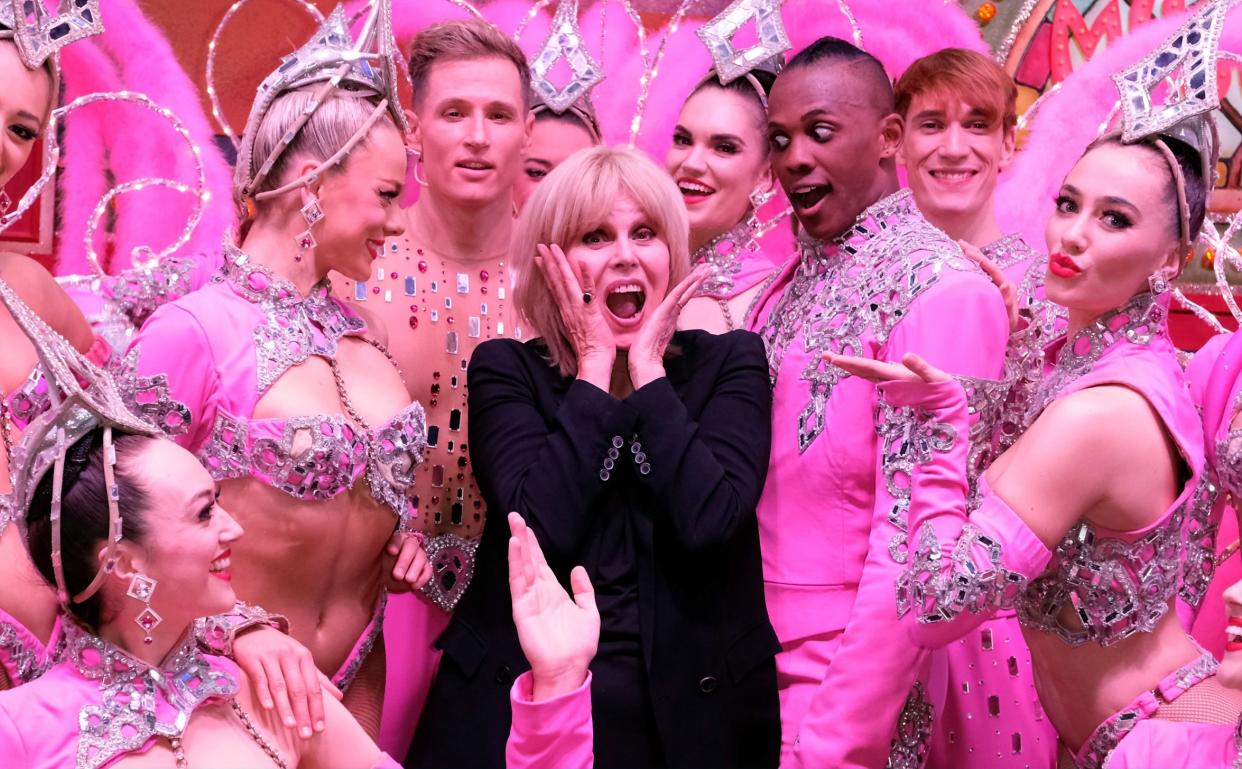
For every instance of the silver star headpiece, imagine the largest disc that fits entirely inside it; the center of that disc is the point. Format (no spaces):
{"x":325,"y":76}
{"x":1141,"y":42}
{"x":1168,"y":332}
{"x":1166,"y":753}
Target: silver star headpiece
{"x":83,"y":398}
{"x":767,"y":54}
{"x":1186,"y":60}
{"x":564,"y":41}
{"x":332,"y":60}
{"x":40,"y":35}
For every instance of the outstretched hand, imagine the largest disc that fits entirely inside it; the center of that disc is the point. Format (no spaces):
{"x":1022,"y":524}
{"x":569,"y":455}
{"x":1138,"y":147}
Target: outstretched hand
{"x":559,"y":635}
{"x":646,"y":357}
{"x":911,"y":369}
{"x":1009,"y":294}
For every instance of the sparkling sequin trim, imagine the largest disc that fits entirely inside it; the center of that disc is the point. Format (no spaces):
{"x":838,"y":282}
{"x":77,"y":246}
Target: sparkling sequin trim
{"x":726,"y":254}
{"x":346,"y":675}
{"x":139,"y":292}
{"x":126,"y":715}
{"x":907,"y":436}
{"x":939,"y":592}
{"x":1117,"y":588}
{"x":1199,"y":557}
{"x":149,"y":397}
{"x":1008,"y":251}
{"x":319,"y":457}
{"x":23,"y":653}
{"x":316,"y":457}
{"x":29,"y":400}
{"x":914,"y":730}
{"x":1139,"y":321}
{"x":6,"y":510}
{"x":295,"y":327}
{"x":889,"y":258}
{"x":1095,"y":752}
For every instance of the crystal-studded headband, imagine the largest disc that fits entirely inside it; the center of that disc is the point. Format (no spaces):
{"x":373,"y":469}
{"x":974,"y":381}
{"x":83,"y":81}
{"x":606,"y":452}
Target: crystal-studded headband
{"x":1187,"y":58}
{"x":329,"y":62}
{"x":38,"y":35}
{"x":83,"y":398}
{"x":565,"y":41}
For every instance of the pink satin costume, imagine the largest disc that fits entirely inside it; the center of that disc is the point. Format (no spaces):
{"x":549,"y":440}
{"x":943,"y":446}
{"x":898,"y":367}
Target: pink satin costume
{"x":1179,"y":745}
{"x":832,"y":513}
{"x":200,"y":365}
{"x":962,"y":569}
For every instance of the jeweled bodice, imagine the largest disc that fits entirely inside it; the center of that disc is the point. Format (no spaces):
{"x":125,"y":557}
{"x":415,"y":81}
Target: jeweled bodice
{"x":253,"y":326}
{"x":138,"y":702}
{"x":857,"y":288}
{"x":1117,"y":583}
{"x":736,"y":261}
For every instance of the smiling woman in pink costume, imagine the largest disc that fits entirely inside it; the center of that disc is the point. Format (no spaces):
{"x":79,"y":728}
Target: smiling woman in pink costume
{"x":960,"y":114}
{"x":127,"y":528}
{"x":286,"y":394}
{"x":719,"y":160}
{"x":1082,"y":536}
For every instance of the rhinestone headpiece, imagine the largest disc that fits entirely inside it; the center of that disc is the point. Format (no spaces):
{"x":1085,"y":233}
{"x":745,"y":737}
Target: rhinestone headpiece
{"x":40,"y":35}
{"x":565,"y":41}
{"x":767,"y":54}
{"x":1187,"y":61}
{"x":337,"y":64}
{"x":83,"y":398}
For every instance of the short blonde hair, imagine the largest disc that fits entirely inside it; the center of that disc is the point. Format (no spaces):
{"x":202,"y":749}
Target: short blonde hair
{"x":342,"y":114}
{"x":468,"y":39}
{"x":574,"y":199}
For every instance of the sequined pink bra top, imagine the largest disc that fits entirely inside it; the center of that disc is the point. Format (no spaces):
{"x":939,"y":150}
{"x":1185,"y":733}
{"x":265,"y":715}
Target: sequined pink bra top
{"x":1119,"y":583}
{"x":199,"y":366}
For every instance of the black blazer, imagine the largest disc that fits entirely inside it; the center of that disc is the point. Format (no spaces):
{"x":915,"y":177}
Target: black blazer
{"x":541,"y":446}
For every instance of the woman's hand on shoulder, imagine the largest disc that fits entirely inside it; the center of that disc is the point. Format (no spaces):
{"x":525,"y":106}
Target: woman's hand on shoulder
{"x":284,"y":678}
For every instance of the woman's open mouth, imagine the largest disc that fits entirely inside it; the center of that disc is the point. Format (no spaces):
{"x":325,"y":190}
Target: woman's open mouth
{"x":625,"y":302}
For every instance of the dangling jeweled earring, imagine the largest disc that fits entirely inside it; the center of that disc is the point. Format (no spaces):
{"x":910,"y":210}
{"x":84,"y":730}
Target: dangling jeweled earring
{"x":6,"y":202}
{"x":141,"y":588}
{"x":1158,"y":282}
{"x":312,"y":213}
{"x":759,"y":197}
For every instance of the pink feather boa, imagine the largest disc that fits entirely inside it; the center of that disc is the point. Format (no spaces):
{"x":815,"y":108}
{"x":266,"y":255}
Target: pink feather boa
{"x":1069,"y":120}
{"x":132,"y":142}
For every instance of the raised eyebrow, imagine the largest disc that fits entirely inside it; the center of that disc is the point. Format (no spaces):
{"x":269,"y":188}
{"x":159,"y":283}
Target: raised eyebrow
{"x":29,"y":116}
{"x":727,"y":138}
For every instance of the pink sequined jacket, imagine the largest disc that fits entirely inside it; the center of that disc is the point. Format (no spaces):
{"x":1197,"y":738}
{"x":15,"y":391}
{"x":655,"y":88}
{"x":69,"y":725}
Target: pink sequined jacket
{"x":832,"y":514}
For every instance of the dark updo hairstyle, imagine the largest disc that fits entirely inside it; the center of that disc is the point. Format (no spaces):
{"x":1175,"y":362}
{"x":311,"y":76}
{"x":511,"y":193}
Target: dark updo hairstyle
{"x":544,"y":113}
{"x":1191,"y":165}
{"x":84,"y":515}
{"x":746,"y":89}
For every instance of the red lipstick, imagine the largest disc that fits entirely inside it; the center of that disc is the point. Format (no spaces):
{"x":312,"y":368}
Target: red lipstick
{"x":1063,"y":267}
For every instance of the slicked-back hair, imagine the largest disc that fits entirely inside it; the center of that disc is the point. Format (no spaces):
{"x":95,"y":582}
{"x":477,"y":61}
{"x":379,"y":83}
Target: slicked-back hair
{"x":457,"y":40}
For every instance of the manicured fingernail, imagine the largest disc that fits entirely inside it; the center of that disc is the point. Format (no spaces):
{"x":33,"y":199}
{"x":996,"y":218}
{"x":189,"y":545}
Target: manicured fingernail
{"x":400,"y":574}
{"x":306,"y":732}
{"x":319,"y":726}
{"x":289,"y":721}
{"x":267,"y":704}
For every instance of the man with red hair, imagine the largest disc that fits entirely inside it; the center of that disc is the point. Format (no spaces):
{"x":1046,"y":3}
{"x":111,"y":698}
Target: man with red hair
{"x":961,"y":125}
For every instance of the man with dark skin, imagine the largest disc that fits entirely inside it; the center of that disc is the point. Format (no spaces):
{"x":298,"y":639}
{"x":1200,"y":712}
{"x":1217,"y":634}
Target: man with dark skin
{"x":873,"y":278}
